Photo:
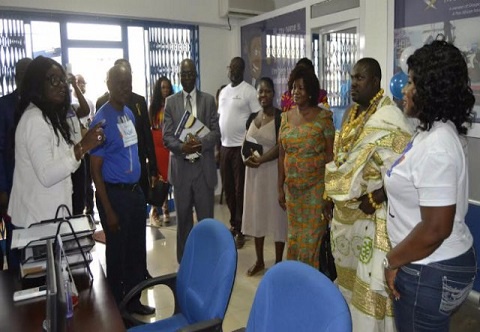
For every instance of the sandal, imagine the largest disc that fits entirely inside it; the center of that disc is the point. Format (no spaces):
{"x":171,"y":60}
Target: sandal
{"x":155,"y":220}
{"x":166,"y":218}
{"x":255,"y":269}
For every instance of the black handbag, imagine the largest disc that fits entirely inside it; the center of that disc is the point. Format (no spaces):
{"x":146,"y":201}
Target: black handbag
{"x":327,"y":262}
{"x":158,"y":193}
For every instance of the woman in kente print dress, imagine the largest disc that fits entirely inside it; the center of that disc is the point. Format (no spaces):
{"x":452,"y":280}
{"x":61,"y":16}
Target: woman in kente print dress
{"x":306,"y":145}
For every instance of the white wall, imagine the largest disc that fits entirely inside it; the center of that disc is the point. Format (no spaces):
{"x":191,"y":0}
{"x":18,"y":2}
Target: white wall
{"x":374,"y":20}
{"x":204,"y":12}
{"x":215,"y":55}
{"x":375,"y":28}
{"x":217,"y":43}
{"x":283,"y":3}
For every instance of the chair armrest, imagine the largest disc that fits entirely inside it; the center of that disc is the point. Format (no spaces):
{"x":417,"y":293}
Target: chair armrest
{"x":211,"y":325}
{"x":169,"y":280}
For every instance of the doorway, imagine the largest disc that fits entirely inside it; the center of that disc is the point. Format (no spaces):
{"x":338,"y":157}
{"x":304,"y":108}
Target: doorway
{"x":335,"y":51}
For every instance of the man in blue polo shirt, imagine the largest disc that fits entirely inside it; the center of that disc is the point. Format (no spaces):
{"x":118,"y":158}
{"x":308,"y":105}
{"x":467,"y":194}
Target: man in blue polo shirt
{"x":115,"y":169}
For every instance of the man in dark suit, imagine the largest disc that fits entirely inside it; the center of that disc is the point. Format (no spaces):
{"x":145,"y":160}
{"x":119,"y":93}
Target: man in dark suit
{"x":193,"y":172}
{"x":146,"y":150}
{"x":7,"y":160}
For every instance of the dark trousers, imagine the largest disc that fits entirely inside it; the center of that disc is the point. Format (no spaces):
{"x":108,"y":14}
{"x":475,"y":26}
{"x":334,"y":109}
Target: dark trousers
{"x":13,"y":256}
{"x":233,"y":181}
{"x":88,"y":186}
{"x":79,"y":189}
{"x":193,"y":193}
{"x":124,"y":247}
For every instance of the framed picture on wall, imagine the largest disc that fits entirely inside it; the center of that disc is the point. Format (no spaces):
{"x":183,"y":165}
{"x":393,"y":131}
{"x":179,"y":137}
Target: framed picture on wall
{"x":420,"y":22}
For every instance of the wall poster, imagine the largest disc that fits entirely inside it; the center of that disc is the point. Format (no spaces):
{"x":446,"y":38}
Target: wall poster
{"x":272,"y":47}
{"x":418,"y":22}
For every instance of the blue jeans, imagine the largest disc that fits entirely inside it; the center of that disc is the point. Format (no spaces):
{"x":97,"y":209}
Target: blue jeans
{"x":429,"y":294}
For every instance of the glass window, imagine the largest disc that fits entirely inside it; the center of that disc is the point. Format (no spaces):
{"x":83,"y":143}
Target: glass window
{"x":93,"y":64}
{"x":46,"y":40}
{"x":136,"y":55}
{"x":88,"y":31}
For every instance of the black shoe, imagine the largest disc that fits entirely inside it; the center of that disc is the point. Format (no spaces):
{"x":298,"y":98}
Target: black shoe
{"x":240,"y":240}
{"x":140,"y":309}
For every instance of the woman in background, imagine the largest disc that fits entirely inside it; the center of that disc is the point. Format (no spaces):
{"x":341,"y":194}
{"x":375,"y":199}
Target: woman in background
{"x":261,"y":213}
{"x":306,"y":145}
{"x":287,"y":101}
{"x":431,"y":267}
{"x":162,"y":89}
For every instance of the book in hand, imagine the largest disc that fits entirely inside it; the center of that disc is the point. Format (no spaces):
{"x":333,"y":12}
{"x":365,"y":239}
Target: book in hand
{"x":189,"y":124}
{"x":249,"y":147}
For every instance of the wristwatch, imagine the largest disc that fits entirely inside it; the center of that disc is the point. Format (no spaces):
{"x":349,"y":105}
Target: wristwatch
{"x":386,"y":264}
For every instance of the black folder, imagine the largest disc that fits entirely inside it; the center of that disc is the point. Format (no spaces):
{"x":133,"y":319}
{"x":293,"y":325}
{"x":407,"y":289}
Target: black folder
{"x":249,"y":147}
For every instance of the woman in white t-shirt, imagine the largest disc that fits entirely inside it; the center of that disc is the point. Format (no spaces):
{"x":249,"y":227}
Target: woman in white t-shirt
{"x":431,"y":267}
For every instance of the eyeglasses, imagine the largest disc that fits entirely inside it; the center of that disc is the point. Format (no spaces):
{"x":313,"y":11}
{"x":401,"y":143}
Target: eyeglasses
{"x":56,"y":80}
{"x":188,"y":74}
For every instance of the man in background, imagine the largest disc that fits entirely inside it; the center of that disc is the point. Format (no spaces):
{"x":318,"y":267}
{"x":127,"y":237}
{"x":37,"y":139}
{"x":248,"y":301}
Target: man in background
{"x":146,"y":149}
{"x":85,"y":123}
{"x":121,"y":204}
{"x":7,"y":155}
{"x":80,"y":109}
{"x":236,"y":102}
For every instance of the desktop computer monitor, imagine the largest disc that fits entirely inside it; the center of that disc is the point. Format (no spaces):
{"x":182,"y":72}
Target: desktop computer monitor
{"x":56,"y":305}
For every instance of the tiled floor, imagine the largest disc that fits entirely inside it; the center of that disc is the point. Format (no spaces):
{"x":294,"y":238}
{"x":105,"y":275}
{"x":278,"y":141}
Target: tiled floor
{"x":162,"y":260}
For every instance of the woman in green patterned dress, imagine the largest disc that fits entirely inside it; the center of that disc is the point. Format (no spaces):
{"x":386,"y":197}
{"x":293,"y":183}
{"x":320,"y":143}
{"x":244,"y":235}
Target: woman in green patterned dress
{"x":306,"y":145}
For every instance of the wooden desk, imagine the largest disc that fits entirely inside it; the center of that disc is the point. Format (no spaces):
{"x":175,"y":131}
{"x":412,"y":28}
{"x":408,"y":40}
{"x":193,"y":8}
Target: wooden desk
{"x":96,"y":310}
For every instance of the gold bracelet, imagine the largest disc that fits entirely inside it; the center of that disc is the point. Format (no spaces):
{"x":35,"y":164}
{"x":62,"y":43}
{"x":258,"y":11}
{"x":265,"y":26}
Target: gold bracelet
{"x":372,"y":202}
{"x":326,"y":197}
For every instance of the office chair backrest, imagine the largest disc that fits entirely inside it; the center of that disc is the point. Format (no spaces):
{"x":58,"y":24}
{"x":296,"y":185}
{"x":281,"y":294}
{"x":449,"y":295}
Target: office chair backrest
{"x":294,"y":296}
{"x":207,"y":271}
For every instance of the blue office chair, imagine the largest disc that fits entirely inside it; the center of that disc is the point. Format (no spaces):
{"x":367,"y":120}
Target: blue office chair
{"x":202,"y":286}
{"x":294,"y":296}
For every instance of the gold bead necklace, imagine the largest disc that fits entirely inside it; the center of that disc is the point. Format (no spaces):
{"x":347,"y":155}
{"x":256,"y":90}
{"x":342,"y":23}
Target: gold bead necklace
{"x":355,"y":122}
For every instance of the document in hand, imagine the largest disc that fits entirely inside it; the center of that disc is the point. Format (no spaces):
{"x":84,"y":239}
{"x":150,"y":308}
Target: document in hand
{"x":189,"y":124}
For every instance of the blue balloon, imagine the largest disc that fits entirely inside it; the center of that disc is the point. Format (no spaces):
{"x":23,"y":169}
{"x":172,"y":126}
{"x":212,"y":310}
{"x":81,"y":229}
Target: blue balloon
{"x":397,"y":83}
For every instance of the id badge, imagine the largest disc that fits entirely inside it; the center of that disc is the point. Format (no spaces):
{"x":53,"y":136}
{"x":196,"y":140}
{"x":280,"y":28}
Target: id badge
{"x":128,"y":132}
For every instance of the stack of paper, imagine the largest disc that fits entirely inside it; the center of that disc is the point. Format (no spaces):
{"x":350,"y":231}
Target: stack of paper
{"x":32,"y":242}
